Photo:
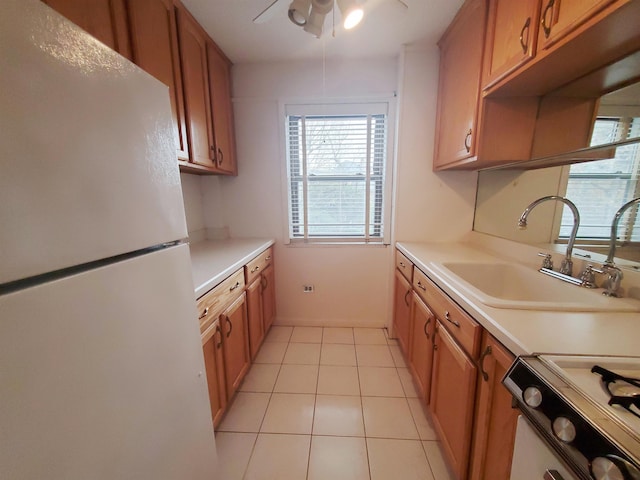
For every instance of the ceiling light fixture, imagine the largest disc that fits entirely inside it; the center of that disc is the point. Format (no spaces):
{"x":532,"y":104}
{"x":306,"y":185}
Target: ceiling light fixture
{"x":352,"y":13}
{"x":319,"y":10}
{"x":299,"y":12}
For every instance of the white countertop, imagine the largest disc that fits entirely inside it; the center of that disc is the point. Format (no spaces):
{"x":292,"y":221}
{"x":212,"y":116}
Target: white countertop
{"x":530,"y":332}
{"x":214,"y":260}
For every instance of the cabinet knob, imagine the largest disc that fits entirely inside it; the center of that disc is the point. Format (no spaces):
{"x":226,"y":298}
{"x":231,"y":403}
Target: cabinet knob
{"x":231,"y":289}
{"x":204,"y":314}
{"x":255,"y":269}
{"x":421,"y":287}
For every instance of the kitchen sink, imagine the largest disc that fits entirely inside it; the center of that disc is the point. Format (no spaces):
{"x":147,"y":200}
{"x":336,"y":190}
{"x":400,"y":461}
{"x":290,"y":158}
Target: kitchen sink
{"x":509,"y":285}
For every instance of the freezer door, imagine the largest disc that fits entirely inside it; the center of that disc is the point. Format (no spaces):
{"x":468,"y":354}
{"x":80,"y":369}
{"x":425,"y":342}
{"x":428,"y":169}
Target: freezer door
{"x":102,"y":376}
{"x":88,"y":168}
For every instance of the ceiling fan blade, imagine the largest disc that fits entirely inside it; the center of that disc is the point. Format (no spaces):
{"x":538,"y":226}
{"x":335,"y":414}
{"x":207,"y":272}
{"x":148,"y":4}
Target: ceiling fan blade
{"x":267,"y":13}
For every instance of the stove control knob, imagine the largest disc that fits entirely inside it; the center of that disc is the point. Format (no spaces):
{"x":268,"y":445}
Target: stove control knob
{"x":564,"y":429}
{"x":532,"y":396}
{"x":612,"y":467}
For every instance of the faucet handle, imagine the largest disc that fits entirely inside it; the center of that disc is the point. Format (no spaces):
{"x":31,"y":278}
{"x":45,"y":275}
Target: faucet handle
{"x":547,"y":262}
{"x":588,"y":276}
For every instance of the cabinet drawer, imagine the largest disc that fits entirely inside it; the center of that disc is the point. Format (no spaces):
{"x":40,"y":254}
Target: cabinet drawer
{"x":462,"y":327}
{"x":212,"y":303}
{"x":404,"y":265}
{"x":256,"y":266}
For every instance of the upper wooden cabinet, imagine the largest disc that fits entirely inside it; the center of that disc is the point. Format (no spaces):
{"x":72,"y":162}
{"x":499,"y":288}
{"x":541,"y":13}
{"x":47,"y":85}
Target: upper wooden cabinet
{"x":560,"y":17}
{"x":512,"y":31}
{"x":193,"y":53}
{"x":106,"y":20}
{"x":154,"y":43}
{"x":461,"y":50}
{"x":220,"y":93}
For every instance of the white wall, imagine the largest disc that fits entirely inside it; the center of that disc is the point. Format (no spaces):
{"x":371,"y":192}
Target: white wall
{"x":353,"y":283}
{"x":429,"y":206}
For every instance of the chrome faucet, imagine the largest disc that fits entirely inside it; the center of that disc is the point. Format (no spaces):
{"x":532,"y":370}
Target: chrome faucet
{"x":566,"y":267}
{"x":614,"y":274}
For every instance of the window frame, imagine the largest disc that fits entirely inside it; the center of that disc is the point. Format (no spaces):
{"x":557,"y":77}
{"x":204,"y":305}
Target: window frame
{"x":340,"y":107}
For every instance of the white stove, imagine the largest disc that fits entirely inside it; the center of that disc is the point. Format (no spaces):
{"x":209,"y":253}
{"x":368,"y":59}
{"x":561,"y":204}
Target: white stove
{"x":568,"y":406}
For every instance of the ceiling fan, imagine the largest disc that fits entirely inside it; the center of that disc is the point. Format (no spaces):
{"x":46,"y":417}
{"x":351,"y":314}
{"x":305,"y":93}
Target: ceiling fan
{"x":310,"y":14}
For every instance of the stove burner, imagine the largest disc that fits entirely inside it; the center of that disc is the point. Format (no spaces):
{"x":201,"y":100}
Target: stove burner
{"x":624,"y":391}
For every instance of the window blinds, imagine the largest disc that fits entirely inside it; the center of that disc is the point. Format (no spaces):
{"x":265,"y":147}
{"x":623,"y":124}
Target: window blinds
{"x":336,"y":175}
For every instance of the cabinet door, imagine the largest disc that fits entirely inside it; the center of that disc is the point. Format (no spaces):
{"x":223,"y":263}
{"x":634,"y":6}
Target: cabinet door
{"x":193,"y":56}
{"x":421,"y":358}
{"x":453,"y":386}
{"x":106,"y":20}
{"x":233,"y":323}
{"x":154,"y":42}
{"x":495,"y":420}
{"x":254,"y":312}
{"x":560,"y":17}
{"x":459,"y":86}
{"x":214,"y":367}
{"x":402,"y":311}
{"x":511,"y":37}
{"x":268,"y":297}
{"x":220,"y":92}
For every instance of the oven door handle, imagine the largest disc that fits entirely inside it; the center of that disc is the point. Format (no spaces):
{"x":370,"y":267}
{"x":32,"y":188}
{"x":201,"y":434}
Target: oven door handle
{"x":552,"y":475}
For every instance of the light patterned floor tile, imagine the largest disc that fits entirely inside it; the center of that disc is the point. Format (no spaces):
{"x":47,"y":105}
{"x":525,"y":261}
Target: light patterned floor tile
{"x":407,"y":383}
{"x":246,"y":412}
{"x":388,"y":418}
{"x":423,"y":424}
{"x":397,"y":459}
{"x":306,"y":335}
{"x":261,"y":378}
{"x":279,"y":334}
{"x":337,"y":335}
{"x":271,"y":352}
{"x":297,"y":379}
{"x":338,"y":415}
{"x":281,"y":457}
{"x":336,"y":380}
{"x":234,"y":451}
{"x":289,"y":413}
{"x":438,"y":464}
{"x":337,"y":354}
{"x":380,"y":382}
{"x":374,"y":356}
{"x":302,"y":354}
{"x":369,"y":336}
{"x":398,"y":357}
{"x":338,"y":458}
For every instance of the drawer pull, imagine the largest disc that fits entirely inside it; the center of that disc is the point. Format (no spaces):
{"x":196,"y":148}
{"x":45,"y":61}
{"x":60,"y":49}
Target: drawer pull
{"x":268,"y":258}
{"x":426,"y":324}
{"x":204,"y":314}
{"x":467,"y":141}
{"x":447,"y":317}
{"x":230,"y":326}
{"x":218,"y":330}
{"x":421,"y":287}
{"x":406,"y":295}
{"x":220,"y":156}
{"x":231,"y":289}
{"x":255,"y":269}
{"x":523,"y":44}
{"x":402,"y":265}
{"x":547,"y":27}
{"x":487,"y":351}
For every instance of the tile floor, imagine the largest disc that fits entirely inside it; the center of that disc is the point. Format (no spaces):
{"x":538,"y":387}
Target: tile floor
{"x":328,"y":404}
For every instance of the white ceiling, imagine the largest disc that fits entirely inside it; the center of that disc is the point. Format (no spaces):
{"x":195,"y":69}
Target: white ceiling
{"x":386,"y":27}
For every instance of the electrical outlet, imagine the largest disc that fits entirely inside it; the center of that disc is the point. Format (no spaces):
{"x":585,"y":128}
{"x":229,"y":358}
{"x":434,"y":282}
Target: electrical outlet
{"x":308,"y":289}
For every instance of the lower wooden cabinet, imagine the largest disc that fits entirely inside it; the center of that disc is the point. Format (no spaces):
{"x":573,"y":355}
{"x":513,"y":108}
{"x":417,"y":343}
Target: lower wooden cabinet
{"x":402,"y":310}
{"x":214,"y":367}
{"x":254,"y":311}
{"x":237,"y":360}
{"x":495,"y":419}
{"x":423,"y":324}
{"x":452,"y":399}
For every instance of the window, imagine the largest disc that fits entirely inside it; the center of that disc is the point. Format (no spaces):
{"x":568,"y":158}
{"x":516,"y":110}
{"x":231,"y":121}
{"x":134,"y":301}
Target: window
{"x":600,"y":188}
{"x":337,"y":172}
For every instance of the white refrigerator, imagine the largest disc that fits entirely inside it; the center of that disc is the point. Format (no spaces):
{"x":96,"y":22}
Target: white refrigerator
{"x":101,"y":369}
